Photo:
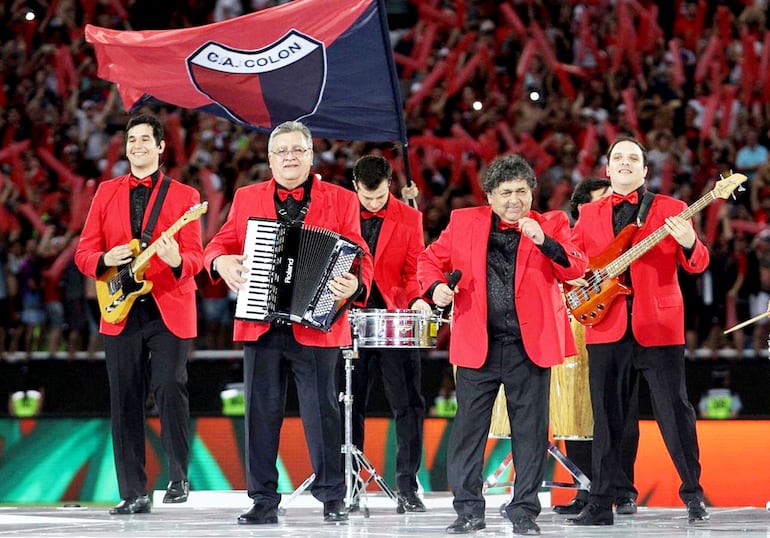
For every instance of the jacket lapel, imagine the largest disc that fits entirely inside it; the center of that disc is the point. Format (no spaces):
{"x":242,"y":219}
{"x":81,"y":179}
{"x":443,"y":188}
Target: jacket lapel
{"x":526,"y":246}
{"x":386,"y":232}
{"x":122,"y":197}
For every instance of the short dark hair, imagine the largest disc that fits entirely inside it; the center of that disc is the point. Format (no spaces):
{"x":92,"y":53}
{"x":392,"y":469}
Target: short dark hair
{"x":371,"y":170}
{"x":631,"y":139}
{"x":152,"y":121}
{"x":582,"y":193}
{"x":508,"y":168}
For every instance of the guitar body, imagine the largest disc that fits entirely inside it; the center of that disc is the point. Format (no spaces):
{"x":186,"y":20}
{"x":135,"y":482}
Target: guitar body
{"x":119,"y":287}
{"x":589,"y":304}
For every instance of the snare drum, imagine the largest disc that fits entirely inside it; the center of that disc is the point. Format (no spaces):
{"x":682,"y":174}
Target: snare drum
{"x":394,"y":328}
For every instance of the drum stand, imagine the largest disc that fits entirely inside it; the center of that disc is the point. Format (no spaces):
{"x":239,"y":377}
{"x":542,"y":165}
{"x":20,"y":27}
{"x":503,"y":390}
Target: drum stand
{"x":580,"y":480}
{"x":355,"y":460}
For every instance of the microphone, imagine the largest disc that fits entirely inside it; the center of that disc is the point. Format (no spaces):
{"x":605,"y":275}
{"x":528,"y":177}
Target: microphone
{"x":452,"y":279}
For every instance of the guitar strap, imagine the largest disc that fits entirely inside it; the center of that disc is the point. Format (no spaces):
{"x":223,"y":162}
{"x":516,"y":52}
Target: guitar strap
{"x":147,"y":235}
{"x":644,"y":208}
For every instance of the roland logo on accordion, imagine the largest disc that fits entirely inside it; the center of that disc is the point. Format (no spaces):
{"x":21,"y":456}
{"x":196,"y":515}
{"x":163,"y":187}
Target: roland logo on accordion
{"x":288,"y":268}
{"x":289,"y":271}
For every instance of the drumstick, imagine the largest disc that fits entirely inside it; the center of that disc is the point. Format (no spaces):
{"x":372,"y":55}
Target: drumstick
{"x":748,"y":322}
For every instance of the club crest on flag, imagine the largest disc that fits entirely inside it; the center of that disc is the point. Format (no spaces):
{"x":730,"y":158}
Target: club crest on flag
{"x":255,"y":86}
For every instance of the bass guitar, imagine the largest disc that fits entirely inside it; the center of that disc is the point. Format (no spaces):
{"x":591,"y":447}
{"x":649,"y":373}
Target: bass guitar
{"x":588,"y":304}
{"x":119,"y":287}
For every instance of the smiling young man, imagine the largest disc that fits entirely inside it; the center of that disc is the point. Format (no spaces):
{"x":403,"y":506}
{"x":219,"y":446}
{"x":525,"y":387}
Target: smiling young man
{"x":641,"y":334}
{"x":509,"y":326}
{"x":272,"y":351}
{"x":160,"y":326}
{"x":393,"y":231}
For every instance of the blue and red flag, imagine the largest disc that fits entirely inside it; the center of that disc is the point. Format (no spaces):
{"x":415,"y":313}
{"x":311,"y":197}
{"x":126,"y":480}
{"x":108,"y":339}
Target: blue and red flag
{"x":328,"y":64}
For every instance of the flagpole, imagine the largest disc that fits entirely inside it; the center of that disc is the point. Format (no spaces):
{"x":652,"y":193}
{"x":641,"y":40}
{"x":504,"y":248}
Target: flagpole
{"x":396,"y":89}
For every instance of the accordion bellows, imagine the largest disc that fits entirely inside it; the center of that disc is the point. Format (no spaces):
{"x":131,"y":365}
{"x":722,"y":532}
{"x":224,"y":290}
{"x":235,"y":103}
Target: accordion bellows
{"x":289,"y":266}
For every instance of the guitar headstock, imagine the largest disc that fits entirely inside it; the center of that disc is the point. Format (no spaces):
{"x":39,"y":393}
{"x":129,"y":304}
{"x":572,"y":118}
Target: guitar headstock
{"x":195,"y":212}
{"x":725,"y":186}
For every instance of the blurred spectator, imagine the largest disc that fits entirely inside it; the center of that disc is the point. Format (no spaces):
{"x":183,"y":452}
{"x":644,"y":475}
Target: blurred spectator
{"x":720,"y":402}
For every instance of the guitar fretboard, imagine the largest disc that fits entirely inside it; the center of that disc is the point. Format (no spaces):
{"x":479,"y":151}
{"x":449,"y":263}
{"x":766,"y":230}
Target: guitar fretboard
{"x":620,"y":264}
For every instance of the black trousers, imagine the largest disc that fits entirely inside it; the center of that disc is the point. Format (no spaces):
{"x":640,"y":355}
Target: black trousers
{"x":267,"y":364}
{"x":402,"y":379}
{"x":580,"y":453}
{"x":146,"y":358}
{"x":614,"y":371}
{"x":526,"y":390}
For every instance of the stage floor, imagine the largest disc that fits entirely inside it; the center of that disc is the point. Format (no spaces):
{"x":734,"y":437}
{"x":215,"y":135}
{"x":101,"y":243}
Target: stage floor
{"x":214,"y":514}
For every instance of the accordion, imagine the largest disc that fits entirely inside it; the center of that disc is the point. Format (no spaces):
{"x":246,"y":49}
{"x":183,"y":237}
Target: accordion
{"x":289,"y":266}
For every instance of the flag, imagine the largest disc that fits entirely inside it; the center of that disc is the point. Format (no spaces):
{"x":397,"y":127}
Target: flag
{"x":327,"y":64}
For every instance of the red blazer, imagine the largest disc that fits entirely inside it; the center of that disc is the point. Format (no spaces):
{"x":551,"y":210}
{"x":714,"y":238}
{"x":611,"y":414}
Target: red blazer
{"x":109,"y":224}
{"x":400,"y":241}
{"x":331,"y":207}
{"x":542,"y":315}
{"x":658,"y":307}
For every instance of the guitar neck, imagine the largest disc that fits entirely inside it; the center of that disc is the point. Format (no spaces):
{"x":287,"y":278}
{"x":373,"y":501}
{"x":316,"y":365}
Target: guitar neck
{"x":619,"y":265}
{"x":144,"y":257}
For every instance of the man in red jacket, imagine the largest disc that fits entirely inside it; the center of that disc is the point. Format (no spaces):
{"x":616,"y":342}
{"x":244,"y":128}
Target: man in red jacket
{"x":393,"y":232}
{"x":160,"y":325}
{"x":642,"y":333}
{"x":273,"y":350}
{"x":509,"y":326}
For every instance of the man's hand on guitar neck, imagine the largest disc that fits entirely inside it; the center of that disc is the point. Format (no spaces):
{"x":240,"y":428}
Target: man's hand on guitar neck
{"x":119,"y":255}
{"x":681,"y":231}
{"x":168,"y":250}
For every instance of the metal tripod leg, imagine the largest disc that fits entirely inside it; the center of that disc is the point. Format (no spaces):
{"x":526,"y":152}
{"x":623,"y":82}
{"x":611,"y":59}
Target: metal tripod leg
{"x":294,"y":494}
{"x":580,"y":480}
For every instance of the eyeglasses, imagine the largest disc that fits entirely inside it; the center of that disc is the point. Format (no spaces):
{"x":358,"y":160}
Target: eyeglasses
{"x":294,"y":152}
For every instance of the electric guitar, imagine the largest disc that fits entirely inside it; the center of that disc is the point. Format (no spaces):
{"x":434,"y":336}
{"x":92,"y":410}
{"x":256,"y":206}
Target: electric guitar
{"x":119,"y":287}
{"x":588,"y":304}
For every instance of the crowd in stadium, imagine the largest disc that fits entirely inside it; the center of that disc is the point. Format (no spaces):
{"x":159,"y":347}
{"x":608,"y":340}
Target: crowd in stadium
{"x":553,"y":81}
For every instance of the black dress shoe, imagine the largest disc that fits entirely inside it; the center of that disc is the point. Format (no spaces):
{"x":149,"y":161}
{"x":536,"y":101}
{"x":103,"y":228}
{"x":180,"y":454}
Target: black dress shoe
{"x":409,"y":502}
{"x":696,"y":512}
{"x":259,"y":515}
{"x":334,"y":511}
{"x":571,"y":508}
{"x":526,"y":525}
{"x":593,"y":514}
{"x":132,"y":505}
{"x":177,"y":492}
{"x":625,"y":507}
{"x":466,"y":523}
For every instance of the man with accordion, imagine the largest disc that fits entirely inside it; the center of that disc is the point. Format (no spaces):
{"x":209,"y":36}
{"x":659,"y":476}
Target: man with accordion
{"x":296,"y":208}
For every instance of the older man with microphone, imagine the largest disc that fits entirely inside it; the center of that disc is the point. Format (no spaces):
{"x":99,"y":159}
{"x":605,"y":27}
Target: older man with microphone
{"x":509,"y":326}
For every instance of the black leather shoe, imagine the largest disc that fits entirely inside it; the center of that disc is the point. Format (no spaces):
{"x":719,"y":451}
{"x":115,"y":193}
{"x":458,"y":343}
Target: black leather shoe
{"x":466,"y":523}
{"x":177,"y":492}
{"x":625,"y":507}
{"x":571,"y":508}
{"x":133,"y":505}
{"x":259,"y":515}
{"x":335,"y":511}
{"x":593,"y":514}
{"x":696,"y":512}
{"x":526,"y":525}
{"x":409,"y":502}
